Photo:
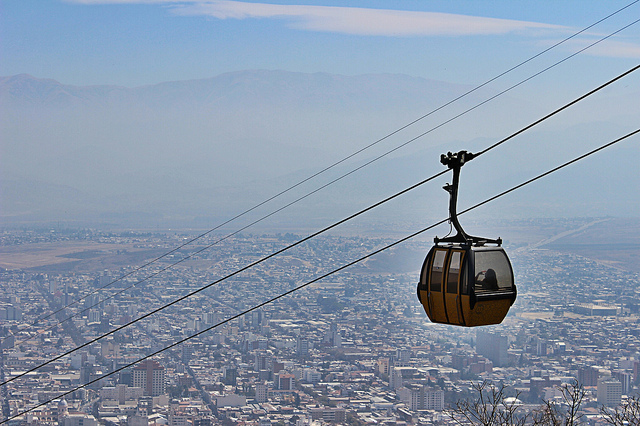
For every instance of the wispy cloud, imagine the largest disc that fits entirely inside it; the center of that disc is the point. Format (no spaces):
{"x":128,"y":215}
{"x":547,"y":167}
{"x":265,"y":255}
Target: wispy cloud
{"x":610,"y":48}
{"x":348,"y":20}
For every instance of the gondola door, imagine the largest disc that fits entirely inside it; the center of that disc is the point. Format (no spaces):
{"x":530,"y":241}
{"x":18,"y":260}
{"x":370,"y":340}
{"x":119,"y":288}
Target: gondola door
{"x":436,"y":285}
{"x":452,"y":287}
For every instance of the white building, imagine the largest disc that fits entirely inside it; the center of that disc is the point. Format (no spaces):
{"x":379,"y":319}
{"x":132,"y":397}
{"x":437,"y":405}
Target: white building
{"x":609,"y":391}
{"x":395,"y":377}
{"x":121,"y":393}
{"x":311,"y":376}
{"x":419,"y":397}
{"x":231,"y":400}
{"x":80,"y":419}
{"x":262,"y":391}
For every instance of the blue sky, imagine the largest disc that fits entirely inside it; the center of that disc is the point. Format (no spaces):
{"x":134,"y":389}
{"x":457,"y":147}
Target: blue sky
{"x":138,"y":42}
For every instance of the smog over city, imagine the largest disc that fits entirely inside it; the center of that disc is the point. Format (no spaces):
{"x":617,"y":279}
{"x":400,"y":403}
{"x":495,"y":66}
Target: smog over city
{"x":219,"y":212}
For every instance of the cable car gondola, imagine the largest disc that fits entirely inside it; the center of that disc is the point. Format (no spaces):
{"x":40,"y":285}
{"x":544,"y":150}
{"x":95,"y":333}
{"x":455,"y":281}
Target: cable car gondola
{"x":466,"y":281}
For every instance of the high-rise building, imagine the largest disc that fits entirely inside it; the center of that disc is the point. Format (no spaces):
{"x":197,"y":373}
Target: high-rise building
{"x":403,"y":356}
{"x":95,"y":315}
{"x":625,"y":378}
{"x":588,"y":376}
{"x":609,"y":391}
{"x":284,"y":381}
{"x":261,"y":393}
{"x":302,"y":347}
{"x":205,"y":421}
{"x":110,"y":349}
{"x":255,"y":318}
{"x":187,"y":353}
{"x":211,"y":318}
{"x":277,"y":366}
{"x":262,"y":361}
{"x":395,"y":378}
{"x":383,"y":365}
{"x":493,"y":346}
{"x":333,"y":336}
{"x":311,"y":375}
{"x":230,"y":374}
{"x":150,"y":376}
{"x":420,"y":397}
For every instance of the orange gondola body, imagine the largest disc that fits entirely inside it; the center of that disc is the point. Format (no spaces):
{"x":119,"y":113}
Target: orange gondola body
{"x":467,"y":281}
{"x":467,"y":286}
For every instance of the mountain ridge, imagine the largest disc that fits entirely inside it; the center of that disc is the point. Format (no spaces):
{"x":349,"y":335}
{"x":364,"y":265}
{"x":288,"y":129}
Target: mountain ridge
{"x":189,"y":148}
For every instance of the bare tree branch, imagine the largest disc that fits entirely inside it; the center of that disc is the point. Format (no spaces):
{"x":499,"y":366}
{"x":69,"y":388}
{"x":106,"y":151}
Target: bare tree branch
{"x":627,"y":414}
{"x":490,"y":408}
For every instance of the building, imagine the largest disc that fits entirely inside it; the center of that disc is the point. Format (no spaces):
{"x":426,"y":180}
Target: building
{"x":593,"y":310}
{"x":110,"y":349}
{"x":211,"y":318}
{"x":302,"y":347}
{"x":79,"y":419}
{"x":230,"y":375}
{"x":588,"y":376}
{"x":284,"y":381}
{"x":420,"y":397}
{"x":10,"y":313}
{"x":625,"y":378}
{"x":403,"y":356}
{"x":332,"y":415}
{"x":150,"y":376}
{"x":121,"y":393}
{"x":395,"y":377}
{"x":262,"y":361}
{"x":231,"y":400}
{"x":333,"y":336}
{"x":262,"y":392}
{"x":609,"y":391}
{"x":310,"y":375}
{"x":383,"y":365}
{"x":493,"y":346}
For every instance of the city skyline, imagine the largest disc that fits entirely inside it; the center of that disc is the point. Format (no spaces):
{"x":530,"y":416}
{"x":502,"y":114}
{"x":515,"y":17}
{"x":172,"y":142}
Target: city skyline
{"x":357,"y":345}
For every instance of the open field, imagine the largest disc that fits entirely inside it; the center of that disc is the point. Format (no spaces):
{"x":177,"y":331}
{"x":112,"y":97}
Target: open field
{"x":610,"y":241}
{"x":72,"y":256}
{"x":613,"y":242}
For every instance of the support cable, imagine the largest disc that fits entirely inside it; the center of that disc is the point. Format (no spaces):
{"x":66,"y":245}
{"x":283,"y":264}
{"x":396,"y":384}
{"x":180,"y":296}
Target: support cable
{"x":340,"y":162}
{"x":345,"y":266}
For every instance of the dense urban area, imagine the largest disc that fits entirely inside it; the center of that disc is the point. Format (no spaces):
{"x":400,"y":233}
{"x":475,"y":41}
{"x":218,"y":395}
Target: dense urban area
{"x":353,"y":348}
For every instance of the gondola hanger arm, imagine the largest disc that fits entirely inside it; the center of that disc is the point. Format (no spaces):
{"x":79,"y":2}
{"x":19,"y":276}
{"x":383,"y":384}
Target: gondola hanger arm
{"x":455,"y":161}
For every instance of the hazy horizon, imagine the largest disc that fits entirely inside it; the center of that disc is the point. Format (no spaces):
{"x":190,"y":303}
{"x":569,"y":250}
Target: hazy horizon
{"x":186,"y":113}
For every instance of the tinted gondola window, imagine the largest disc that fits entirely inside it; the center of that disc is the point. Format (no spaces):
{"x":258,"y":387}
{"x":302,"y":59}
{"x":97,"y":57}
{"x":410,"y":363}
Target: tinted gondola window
{"x":437,"y":268}
{"x":465,"y":281}
{"x":454,"y":272}
{"x":493,"y":270}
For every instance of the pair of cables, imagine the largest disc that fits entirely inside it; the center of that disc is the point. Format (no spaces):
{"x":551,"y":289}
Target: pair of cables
{"x":323,"y":230}
{"x":341,"y":268}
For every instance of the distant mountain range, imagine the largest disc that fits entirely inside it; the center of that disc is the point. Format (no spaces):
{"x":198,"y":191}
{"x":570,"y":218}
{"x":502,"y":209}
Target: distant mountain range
{"x":192,"y":153}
